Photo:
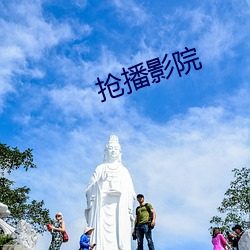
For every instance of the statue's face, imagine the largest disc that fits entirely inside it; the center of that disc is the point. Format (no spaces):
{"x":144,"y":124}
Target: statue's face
{"x":114,"y":150}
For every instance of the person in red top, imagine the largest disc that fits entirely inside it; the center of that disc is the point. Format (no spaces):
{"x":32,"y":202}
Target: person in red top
{"x":218,"y":240}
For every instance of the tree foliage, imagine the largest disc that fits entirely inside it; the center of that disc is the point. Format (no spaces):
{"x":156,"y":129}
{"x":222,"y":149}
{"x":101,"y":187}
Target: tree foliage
{"x":17,"y":199}
{"x":12,"y":159}
{"x":235,"y":206}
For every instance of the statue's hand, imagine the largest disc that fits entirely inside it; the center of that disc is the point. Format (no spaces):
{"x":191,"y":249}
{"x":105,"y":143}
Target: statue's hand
{"x":132,"y":217}
{"x":90,"y":202}
{"x":104,"y":176}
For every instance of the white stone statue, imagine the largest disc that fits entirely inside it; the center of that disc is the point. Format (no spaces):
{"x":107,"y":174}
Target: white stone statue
{"x":244,"y":242}
{"x":25,"y":235}
{"x":4,"y":212}
{"x":110,"y":198}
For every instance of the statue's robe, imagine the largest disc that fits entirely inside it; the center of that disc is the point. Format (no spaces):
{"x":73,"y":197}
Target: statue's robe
{"x":110,"y":197}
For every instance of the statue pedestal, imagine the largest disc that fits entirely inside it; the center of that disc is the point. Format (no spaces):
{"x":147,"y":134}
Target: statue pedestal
{"x":13,"y":247}
{"x":244,"y":242}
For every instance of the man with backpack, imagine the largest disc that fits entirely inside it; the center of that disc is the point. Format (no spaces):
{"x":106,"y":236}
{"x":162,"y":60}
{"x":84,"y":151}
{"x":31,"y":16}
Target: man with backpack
{"x":144,"y":223}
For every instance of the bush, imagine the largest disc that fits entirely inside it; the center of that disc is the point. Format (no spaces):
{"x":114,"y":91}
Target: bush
{"x":6,"y":240}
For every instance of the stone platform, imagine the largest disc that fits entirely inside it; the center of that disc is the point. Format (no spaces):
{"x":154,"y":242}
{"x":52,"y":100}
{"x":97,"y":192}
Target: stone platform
{"x":13,"y":247}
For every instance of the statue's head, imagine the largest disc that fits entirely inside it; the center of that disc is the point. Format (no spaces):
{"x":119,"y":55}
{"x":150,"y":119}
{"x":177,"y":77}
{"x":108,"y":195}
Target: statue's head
{"x":113,"y":150}
{"x":4,"y":211}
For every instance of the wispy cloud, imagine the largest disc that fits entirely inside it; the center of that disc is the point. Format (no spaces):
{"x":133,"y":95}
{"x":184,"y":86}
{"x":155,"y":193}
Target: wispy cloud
{"x":218,"y":41}
{"x":83,"y":103}
{"x":182,"y":164}
{"x":131,"y":12}
{"x":183,"y":161}
{"x":80,"y":3}
{"x":26,"y":40}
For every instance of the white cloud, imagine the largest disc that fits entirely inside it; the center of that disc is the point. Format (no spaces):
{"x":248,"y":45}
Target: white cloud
{"x":218,"y":41}
{"x":214,"y":34}
{"x":107,"y":63}
{"x":84,"y":103}
{"x":32,"y":33}
{"x":131,"y":12}
{"x":183,"y":167}
{"x":25,"y":39}
{"x":239,"y":101}
{"x":80,"y":3}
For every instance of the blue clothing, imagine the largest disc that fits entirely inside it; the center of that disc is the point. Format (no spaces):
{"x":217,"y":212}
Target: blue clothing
{"x":84,"y":242}
{"x":141,"y":230}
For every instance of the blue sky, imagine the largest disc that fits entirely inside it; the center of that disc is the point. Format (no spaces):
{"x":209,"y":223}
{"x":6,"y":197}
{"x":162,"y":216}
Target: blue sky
{"x":180,"y":137}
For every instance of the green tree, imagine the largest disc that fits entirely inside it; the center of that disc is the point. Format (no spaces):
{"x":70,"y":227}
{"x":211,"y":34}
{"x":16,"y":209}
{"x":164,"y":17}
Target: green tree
{"x":235,"y":207}
{"x":17,"y":199}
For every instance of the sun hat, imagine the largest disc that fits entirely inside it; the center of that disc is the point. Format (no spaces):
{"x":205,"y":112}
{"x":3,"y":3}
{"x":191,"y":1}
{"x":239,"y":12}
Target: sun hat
{"x":59,"y":213}
{"x":87,"y":229}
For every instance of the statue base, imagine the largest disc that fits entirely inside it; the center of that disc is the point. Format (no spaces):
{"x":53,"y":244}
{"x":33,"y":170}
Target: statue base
{"x":12,"y":247}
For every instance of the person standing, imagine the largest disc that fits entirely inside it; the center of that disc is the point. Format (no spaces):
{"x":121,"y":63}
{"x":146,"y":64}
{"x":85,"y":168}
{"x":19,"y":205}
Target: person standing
{"x":239,"y":231}
{"x":218,"y":240}
{"x":56,"y":231}
{"x":144,"y":223}
{"x":85,"y":239}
